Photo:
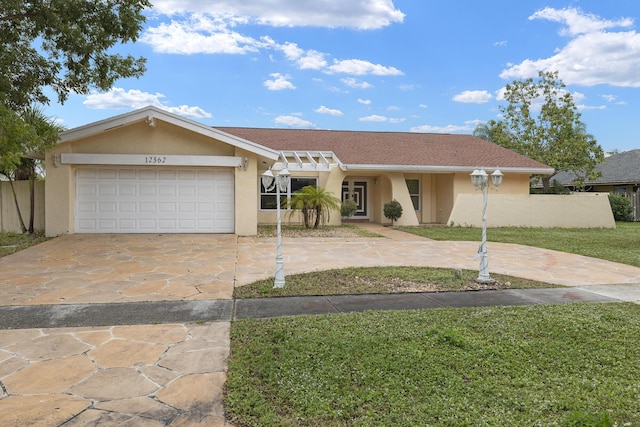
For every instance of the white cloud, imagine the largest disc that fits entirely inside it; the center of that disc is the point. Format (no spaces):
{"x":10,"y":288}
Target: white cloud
{"x":279,"y":82}
{"x":577,"y":22}
{"x":595,"y":54}
{"x":359,"y":67}
{"x":590,"y":107}
{"x":326,"y":110}
{"x":204,"y":32}
{"x":293,"y":121}
{"x":364,"y":101}
{"x":473,"y":97}
{"x":198,"y":34}
{"x":135,"y":99}
{"x":363,"y":15}
{"x":393,"y":108}
{"x":351,"y":82}
{"x":467,"y":127}
{"x":377,"y":118}
{"x":609,"y":98}
{"x":501,"y":43}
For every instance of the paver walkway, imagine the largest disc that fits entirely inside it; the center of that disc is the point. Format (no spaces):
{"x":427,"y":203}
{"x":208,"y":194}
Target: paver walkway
{"x":173,"y":373}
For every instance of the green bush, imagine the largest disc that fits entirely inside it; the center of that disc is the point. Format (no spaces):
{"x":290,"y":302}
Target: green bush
{"x":554,"y":188}
{"x":348,"y":208}
{"x":621,"y":207}
{"x":393,"y":210}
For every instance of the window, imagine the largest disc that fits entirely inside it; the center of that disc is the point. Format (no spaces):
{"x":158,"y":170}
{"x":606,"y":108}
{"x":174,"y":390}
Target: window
{"x":268,"y":198}
{"x":413,"y":185}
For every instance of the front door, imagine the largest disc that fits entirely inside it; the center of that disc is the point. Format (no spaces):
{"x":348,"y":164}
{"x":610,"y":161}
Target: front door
{"x":356,"y":190}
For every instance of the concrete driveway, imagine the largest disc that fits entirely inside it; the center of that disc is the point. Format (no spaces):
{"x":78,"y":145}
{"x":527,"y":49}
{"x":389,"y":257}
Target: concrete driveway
{"x":140,"y":370}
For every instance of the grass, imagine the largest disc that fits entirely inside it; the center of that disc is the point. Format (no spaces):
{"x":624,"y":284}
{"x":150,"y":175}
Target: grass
{"x":13,"y":242}
{"x":566,"y":365}
{"x":562,"y":365}
{"x":621,"y":244}
{"x":379,"y":280}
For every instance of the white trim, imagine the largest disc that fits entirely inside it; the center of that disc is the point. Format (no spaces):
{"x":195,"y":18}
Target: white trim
{"x":149,"y":160}
{"x":150,"y":115}
{"x":444,"y":169}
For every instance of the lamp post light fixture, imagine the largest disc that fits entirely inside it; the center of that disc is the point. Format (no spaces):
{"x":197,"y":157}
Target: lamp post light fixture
{"x":281,"y":183}
{"x":480,"y":180}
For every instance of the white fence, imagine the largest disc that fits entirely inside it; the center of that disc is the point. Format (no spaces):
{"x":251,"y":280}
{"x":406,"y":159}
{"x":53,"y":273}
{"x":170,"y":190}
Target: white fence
{"x":9,"y":221}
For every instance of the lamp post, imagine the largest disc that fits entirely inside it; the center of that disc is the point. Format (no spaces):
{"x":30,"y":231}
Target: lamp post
{"x":480,"y":180}
{"x":280,"y":182}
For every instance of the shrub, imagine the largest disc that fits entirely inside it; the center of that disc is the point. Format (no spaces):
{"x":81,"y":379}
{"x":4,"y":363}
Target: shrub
{"x":621,"y":207}
{"x":348,"y":208}
{"x":554,"y":188}
{"x":393,"y":210}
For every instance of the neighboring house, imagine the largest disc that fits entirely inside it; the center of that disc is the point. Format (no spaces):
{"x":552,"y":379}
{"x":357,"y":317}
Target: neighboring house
{"x":620,"y":173}
{"x":150,"y":171}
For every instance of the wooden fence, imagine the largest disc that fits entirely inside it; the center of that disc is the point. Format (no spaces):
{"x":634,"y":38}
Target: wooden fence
{"x":9,"y":221}
{"x":634,"y":198}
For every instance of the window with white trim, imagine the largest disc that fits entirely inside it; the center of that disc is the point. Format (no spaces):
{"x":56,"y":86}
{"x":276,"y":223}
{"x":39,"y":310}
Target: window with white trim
{"x":413,"y":185}
{"x":268,"y":198}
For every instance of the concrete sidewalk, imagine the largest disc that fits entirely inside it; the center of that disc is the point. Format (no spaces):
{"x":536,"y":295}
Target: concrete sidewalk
{"x":134,"y":329}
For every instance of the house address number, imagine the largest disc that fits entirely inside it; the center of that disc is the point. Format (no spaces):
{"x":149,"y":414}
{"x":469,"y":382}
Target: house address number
{"x":155,"y":160}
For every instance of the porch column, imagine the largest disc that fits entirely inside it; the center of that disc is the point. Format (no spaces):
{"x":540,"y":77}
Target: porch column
{"x":332,"y":182}
{"x":400,"y":192}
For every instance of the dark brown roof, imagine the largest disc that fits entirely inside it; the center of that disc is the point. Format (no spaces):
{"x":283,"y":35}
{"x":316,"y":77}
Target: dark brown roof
{"x":390,"y":148}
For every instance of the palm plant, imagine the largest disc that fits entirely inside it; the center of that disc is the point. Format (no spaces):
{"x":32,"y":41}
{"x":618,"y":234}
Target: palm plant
{"x":315,"y":204}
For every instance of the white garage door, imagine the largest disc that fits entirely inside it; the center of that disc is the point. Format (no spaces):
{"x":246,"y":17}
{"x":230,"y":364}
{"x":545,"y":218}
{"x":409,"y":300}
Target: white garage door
{"x":154,"y":200}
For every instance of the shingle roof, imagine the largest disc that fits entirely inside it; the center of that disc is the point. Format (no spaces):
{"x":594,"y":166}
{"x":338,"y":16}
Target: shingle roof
{"x":391,"y":148}
{"x":621,"y":168}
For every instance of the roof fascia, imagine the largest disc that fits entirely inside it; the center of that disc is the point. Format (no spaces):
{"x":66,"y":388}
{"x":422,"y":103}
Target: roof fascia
{"x":444,"y":169}
{"x":149,"y":114}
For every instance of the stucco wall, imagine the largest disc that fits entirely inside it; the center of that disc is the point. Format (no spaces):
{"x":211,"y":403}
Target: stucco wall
{"x":9,"y":221}
{"x":579,"y":210}
{"x":139,"y":138}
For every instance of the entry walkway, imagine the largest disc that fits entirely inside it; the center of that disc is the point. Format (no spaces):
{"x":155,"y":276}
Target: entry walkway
{"x":134,"y":329}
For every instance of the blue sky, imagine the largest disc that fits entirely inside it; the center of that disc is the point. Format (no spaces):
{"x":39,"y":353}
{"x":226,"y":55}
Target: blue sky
{"x":403,"y":65}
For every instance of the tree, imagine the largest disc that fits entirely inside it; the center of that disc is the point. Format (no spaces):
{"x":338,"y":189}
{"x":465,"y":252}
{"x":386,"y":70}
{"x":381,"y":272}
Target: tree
{"x":64,"y":44}
{"x":315,"y":203}
{"x":22,"y":136}
{"x":392,"y":210}
{"x":485,"y":131}
{"x":555,"y":136}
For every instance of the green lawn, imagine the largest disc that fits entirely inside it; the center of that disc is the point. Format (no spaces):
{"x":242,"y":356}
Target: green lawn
{"x":555,"y":365}
{"x":621,"y":244}
{"x":13,"y":242}
{"x":567,"y":365}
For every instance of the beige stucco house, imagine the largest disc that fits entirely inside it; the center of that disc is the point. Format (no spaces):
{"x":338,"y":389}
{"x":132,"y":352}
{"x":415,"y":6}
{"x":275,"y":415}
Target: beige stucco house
{"x":150,"y":171}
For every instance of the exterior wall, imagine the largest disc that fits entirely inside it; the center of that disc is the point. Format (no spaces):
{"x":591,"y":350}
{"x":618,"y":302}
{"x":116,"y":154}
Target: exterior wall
{"x":444,"y":185}
{"x":246,"y":196}
{"x":9,"y":221}
{"x":579,"y":210}
{"x":140,"y":138}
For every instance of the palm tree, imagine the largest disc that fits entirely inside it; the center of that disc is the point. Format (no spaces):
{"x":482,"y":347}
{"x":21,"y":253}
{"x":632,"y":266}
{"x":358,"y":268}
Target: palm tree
{"x":314,"y":203}
{"x":37,"y":133}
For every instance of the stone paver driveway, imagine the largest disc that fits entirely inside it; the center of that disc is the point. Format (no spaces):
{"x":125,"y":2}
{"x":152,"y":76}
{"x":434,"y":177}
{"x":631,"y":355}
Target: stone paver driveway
{"x":173,"y":374}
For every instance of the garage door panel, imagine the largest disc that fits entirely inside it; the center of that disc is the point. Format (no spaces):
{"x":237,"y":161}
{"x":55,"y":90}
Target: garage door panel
{"x":154,"y":199}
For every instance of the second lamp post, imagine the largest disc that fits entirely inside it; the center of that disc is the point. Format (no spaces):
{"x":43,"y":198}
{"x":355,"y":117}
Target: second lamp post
{"x":480,"y":180}
{"x":281,"y":183}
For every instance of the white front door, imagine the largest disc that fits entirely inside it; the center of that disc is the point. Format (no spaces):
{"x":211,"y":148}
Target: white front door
{"x":120,"y":199}
{"x":357,"y":190}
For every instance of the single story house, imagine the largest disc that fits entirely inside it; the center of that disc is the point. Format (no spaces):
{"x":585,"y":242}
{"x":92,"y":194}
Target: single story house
{"x":150,"y":171}
{"x":619,"y":173}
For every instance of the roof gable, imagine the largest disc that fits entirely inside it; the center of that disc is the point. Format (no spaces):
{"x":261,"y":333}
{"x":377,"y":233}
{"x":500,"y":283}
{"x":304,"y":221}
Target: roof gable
{"x":150,"y":115}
